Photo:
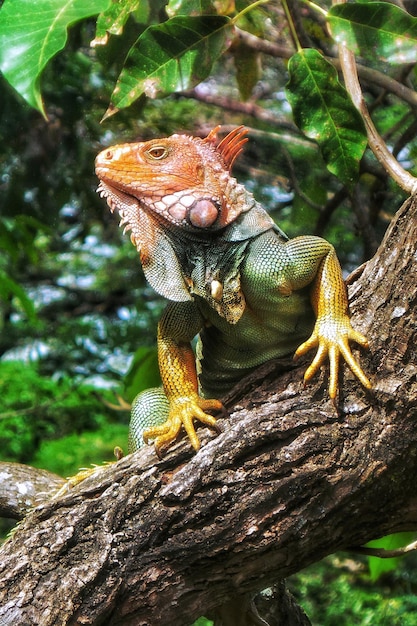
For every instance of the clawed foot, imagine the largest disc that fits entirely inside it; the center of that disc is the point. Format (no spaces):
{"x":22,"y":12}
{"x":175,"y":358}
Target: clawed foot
{"x":183,"y":411}
{"x":78,"y":478}
{"x":85,"y":473}
{"x":332,"y":337}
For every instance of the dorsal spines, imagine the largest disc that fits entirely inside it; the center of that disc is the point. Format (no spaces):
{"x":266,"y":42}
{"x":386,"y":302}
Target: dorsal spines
{"x":231,"y":145}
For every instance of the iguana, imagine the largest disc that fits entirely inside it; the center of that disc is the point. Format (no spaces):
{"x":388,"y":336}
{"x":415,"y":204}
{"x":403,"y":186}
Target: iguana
{"x":231,"y":276}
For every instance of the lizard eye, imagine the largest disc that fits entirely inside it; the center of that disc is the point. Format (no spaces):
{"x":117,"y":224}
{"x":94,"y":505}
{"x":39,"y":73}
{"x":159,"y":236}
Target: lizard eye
{"x":157,"y":152}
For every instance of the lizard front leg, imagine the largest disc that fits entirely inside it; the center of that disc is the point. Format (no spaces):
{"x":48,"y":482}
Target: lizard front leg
{"x":333,"y":330}
{"x":179,"y":324}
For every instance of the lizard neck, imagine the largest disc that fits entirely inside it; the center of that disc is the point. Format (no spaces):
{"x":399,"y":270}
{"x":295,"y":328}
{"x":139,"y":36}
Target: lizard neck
{"x":182,"y":260}
{"x":211,"y":262}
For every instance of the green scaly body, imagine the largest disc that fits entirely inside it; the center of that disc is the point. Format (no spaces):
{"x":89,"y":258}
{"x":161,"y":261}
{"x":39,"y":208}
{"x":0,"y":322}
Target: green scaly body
{"x":232,"y":275}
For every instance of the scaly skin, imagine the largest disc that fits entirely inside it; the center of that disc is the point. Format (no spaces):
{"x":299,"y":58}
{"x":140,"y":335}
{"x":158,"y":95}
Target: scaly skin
{"x":232,"y":276}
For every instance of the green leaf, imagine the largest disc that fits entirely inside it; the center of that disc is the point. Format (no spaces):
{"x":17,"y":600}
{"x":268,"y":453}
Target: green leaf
{"x":192,"y":7}
{"x":143,"y":373}
{"x":324,"y":112}
{"x":31,"y":33}
{"x":170,"y":57}
{"x":379,"y":566}
{"x":113,"y":20}
{"x":248,"y":69}
{"x":375,"y":29}
{"x":10,"y":288}
{"x":203,"y":621}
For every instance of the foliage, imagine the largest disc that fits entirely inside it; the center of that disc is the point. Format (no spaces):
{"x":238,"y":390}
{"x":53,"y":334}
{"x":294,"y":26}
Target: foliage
{"x":338,"y":592}
{"x":37,"y":408}
{"x":143,"y":372}
{"x":379,"y":566}
{"x":179,"y":52}
{"x":393,"y":32}
{"x":37,"y":30}
{"x":336,"y":126}
{"x":16,"y":238}
{"x":66,"y":455}
{"x":172,"y":56}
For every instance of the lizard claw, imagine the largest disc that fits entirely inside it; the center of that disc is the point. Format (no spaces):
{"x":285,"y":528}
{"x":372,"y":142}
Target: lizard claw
{"x":332,"y":339}
{"x":183,"y":411}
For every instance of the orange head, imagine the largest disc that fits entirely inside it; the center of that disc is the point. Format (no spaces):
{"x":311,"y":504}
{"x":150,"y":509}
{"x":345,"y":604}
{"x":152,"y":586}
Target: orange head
{"x":183,"y":180}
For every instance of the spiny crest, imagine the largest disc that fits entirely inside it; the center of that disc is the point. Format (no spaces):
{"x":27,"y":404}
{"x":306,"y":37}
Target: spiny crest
{"x":231,"y":145}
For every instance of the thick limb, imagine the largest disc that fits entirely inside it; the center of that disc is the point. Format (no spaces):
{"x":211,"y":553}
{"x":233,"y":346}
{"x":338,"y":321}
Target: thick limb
{"x":150,"y":408}
{"x":333,"y":330}
{"x":179,"y":324}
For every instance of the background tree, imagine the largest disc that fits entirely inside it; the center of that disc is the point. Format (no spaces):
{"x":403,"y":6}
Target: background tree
{"x":236,"y":60}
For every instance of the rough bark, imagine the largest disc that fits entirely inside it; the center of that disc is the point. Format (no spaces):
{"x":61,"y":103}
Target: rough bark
{"x":291,"y":479}
{"x":21,"y":488}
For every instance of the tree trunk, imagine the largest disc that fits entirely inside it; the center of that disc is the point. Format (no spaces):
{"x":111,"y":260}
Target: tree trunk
{"x":291,"y":479}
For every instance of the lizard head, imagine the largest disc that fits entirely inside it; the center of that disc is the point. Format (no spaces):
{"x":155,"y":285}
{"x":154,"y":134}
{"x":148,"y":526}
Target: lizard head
{"x":182,"y":180}
{"x":172,"y":194}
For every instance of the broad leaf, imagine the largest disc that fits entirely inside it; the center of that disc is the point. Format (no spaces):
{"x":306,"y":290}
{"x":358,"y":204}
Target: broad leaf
{"x":113,"y":20}
{"x":324,"y":112}
{"x":143,"y":372}
{"x":10,"y":288}
{"x":170,"y":57}
{"x":379,"y":566}
{"x":31,"y":33}
{"x":248,"y":69}
{"x":377,"y":29}
{"x":193,"y":7}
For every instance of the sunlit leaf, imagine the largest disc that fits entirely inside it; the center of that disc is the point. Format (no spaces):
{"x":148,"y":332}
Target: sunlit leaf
{"x":324,"y":112}
{"x":31,"y":33}
{"x":113,"y":20}
{"x":193,"y":7}
{"x":379,"y":566}
{"x":377,"y":29}
{"x":170,"y":57}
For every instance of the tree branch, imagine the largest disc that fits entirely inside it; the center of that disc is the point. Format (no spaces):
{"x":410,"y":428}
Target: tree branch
{"x":237,"y":106}
{"x":23,"y":487}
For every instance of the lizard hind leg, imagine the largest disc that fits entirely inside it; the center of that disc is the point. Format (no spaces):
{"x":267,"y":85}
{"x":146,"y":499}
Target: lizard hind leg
{"x":150,"y":409}
{"x":153,"y":417}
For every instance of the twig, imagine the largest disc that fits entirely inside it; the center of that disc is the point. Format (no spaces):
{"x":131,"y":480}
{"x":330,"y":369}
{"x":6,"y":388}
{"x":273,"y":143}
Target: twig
{"x":348,"y":64}
{"x":247,"y":108}
{"x":385,"y":554}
